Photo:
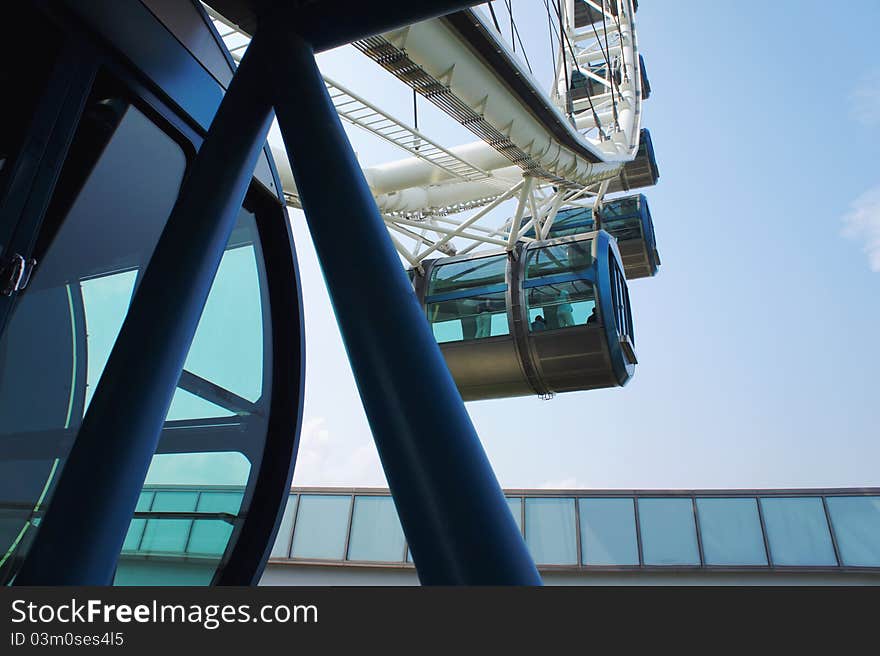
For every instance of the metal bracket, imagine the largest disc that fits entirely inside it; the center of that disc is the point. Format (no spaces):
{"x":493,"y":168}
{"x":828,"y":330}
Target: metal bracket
{"x":15,"y":272}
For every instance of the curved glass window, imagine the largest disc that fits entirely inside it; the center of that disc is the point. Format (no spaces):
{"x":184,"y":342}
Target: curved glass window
{"x":474,"y":317}
{"x":560,"y":259}
{"x":467,"y":300}
{"x":622,"y":218}
{"x":561,"y":305}
{"x":620,"y":299}
{"x":101,"y":226}
{"x":468,"y":274}
{"x":114,"y":194}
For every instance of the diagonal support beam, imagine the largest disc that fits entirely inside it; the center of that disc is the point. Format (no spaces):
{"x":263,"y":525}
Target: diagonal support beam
{"x":452,"y":509}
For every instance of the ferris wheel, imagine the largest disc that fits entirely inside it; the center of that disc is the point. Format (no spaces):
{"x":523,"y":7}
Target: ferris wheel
{"x":517,"y":253}
{"x":547,"y":149}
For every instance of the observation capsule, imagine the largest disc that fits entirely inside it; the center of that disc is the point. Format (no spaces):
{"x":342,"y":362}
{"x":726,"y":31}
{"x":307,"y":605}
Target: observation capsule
{"x":553,"y":318}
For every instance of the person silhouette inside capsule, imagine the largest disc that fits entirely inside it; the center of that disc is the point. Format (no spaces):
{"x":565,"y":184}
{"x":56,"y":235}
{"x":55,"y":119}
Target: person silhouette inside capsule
{"x":539,"y":324}
{"x":594,"y":317}
{"x":484,"y":320}
{"x":564,"y":310}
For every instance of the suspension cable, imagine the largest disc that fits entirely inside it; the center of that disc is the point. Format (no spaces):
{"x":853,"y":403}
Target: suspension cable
{"x":515,"y":33}
{"x":557,"y":6}
{"x":608,"y":63}
{"x":494,"y":17}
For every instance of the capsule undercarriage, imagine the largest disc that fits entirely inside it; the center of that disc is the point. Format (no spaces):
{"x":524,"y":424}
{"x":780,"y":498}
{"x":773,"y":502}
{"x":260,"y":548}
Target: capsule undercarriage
{"x":552,"y":317}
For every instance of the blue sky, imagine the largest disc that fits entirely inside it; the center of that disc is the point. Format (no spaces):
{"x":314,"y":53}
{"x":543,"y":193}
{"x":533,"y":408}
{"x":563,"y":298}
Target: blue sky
{"x":758,"y":340}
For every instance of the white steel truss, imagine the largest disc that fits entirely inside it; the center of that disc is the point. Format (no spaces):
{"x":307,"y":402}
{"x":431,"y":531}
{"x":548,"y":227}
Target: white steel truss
{"x":492,"y":204}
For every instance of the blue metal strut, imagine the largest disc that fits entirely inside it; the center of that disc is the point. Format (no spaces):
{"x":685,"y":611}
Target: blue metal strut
{"x":453,"y":512}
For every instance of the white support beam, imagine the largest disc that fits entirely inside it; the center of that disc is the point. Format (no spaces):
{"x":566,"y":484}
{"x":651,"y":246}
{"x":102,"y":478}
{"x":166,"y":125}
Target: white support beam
{"x":524,"y":192}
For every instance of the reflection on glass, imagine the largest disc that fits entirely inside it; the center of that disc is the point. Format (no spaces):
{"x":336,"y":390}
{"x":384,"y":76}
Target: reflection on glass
{"x":561,"y":305}
{"x":321,"y":524}
{"x":467,"y":274}
{"x":550,"y":531}
{"x":169,"y":535}
{"x":856,"y":522}
{"x":572,"y":257}
{"x":136,"y":528}
{"x":608,"y":532}
{"x":475,"y":317}
{"x":376,"y":533}
{"x":731,"y":531}
{"x":205,"y":540}
{"x":797,"y":531}
{"x":669,"y":536}
{"x":210,"y":536}
{"x":281,"y":548}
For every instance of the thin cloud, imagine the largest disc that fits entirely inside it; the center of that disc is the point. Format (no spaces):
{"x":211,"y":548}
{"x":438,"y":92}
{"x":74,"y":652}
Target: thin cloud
{"x":865,"y":101}
{"x":862,"y":222}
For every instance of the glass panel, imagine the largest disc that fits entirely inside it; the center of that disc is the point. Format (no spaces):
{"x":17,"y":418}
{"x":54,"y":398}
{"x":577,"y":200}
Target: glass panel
{"x":281,"y":548}
{"x":476,"y":317}
{"x":207,"y":538}
{"x":376,"y":533}
{"x":608,"y":532}
{"x":136,"y":528}
{"x":856,"y":523}
{"x":169,"y":535}
{"x":572,"y":221}
{"x":105,"y":304}
{"x":797,"y":531}
{"x":561,"y":305}
{"x":210,"y":536}
{"x":469,"y":274}
{"x":555,"y":260}
{"x":515,"y":505}
{"x":112,"y":199}
{"x":668,"y":533}
{"x":622,"y":219}
{"x":731,"y":532}
{"x":550,"y":531}
{"x":321,"y":525}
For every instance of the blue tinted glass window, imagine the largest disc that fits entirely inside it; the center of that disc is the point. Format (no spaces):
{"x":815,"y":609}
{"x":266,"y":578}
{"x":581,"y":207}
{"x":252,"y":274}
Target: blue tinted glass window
{"x":856,"y":522}
{"x":169,"y":535}
{"x":281,"y":548}
{"x":474,"y":317}
{"x":210,"y":536}
{"x":797,"y":531}
{"x":110,"y":203}
{"x":668,"y":533}
{"x":321,"y":525}
{"x":376,"y":533}
{"x":608,"y":532}
{"x":136,"y":528}
{"x":731,"y":532}
{"x":555,"y":260}
{"x":561,"y":305}
{"x":515,"y":505}
{"x":550,"y":531}
{"x":469,"y":274}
